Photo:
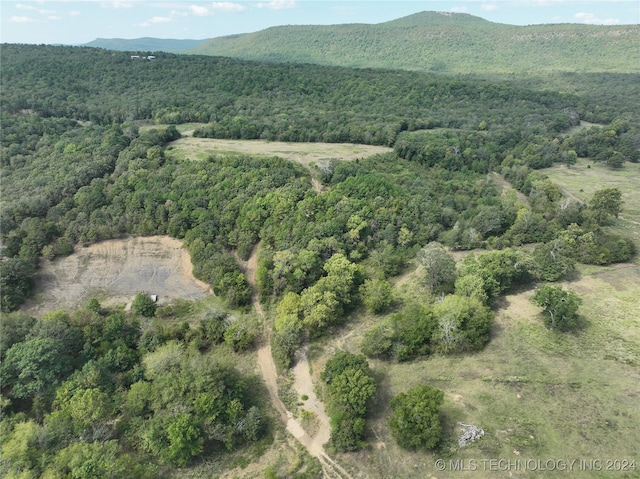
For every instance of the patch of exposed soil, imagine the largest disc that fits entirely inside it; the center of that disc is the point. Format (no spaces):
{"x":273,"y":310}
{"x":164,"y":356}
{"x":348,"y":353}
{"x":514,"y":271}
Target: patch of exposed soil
{"x":114,"y":271}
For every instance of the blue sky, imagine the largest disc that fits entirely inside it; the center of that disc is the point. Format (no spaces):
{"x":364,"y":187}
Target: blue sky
{"x":77,"y":22}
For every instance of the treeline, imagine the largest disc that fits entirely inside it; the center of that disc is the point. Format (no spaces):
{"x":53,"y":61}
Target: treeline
{"x":484,"y":150}
{"x":458,"y":317}
{"x":373,"y":209}
{"x":101,"y":393}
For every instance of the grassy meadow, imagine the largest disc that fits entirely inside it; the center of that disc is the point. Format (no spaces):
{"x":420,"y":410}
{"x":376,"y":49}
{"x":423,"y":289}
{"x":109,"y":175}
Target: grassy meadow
{"x":585,"y":177}
{"x":306,"y":154}
{"x":539,"y":395}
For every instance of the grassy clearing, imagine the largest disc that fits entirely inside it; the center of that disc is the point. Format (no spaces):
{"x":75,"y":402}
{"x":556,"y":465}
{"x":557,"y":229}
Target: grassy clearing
{"x":584,"y":178}
{"x":538,"y":394}
{"x":582,"y":126}
{"x":304,"y":153}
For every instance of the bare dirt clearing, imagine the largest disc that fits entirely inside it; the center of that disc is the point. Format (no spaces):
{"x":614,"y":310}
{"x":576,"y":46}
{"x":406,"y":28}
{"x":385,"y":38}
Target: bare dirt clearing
{"x":114,"y":271}
{"x":303,"y":153}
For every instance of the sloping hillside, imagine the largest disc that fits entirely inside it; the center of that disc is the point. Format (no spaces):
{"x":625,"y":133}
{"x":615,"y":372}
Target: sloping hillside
{"x":448,"y":42}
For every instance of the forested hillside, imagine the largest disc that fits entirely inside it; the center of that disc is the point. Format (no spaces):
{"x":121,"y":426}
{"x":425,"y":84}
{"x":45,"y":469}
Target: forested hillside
{"x":253,"y":100}
{"x":88,"y":154}
{"x":442,"y":42}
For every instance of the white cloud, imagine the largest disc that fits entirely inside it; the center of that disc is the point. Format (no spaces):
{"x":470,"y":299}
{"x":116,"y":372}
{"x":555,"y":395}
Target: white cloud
{"x":117,"y":5}
{"x":156,"y":20}
{"x":199,"y":11}
{"x":228,"y":7}
{"x":459,"y":9}
{"x":489,"y":7}
{"x":21,"y":6}
{"x":592,"y":19}
{"x":75,"y":13}
{"x":278,"y":4}
{"x":17,"y":19}
{"x":54,"y":17}
{"x":545,"y":3}
{"x":160,"y":20}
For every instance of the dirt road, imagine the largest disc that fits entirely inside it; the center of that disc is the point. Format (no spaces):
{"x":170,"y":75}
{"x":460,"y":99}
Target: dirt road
{"x":303,"y":386}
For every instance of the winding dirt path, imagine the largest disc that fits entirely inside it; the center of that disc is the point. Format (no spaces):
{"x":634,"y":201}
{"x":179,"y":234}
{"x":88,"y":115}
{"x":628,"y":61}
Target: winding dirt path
{"x":302,"y":384}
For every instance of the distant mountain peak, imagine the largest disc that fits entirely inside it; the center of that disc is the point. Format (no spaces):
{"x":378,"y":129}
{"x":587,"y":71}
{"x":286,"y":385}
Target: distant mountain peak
{"x":438,"y":17}
{"x":146,"y":44}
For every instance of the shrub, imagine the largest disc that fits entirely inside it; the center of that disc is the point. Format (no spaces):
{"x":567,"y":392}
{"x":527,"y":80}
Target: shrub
{"x":415,"y":422}
{"x":560,"y":306}
{"x":143,"y":305}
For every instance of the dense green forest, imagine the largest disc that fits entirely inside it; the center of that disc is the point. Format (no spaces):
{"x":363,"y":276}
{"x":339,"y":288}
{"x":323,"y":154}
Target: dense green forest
{"x":444,"y":42}
{"x":117,"y":391}
{"x":276,"y":102}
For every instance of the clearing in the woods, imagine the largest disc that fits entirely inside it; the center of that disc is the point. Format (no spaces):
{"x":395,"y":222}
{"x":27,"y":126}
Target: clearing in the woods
{"x":113,"y":272}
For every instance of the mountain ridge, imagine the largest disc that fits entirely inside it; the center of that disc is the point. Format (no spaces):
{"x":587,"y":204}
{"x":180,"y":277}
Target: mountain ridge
{"x":453,"y":43}
{"x":441,"y":41}
{"x":147,"y":44}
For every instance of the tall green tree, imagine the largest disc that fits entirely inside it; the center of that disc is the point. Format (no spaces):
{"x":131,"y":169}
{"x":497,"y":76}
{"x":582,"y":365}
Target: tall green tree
{"x":351,"y":391}
{"x":376,"y":294}
{"x":606,"y":203}
{"x":185,"y":440}
{"x":560,"y":306}
{"x":14,"y":328}
{"x":143,"y":305}
{"x":439,"y":267}
{"x":554,"y":259}
{"x":16,"y":282}
{"x":34,"y":367}
{"x":351,"y":387}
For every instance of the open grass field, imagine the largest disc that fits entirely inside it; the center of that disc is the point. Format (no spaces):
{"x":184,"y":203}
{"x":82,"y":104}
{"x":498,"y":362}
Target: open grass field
{"x":585,"y":177}
{"x":539,"y":395}
{"x":303,"y":153}
{"x":308,"y":155}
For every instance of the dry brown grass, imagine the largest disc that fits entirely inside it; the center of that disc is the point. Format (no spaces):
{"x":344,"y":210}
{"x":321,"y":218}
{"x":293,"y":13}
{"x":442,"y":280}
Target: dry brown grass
{"x":303,"y":153}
